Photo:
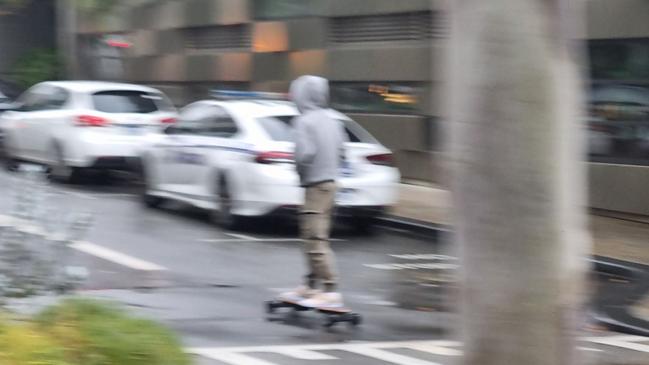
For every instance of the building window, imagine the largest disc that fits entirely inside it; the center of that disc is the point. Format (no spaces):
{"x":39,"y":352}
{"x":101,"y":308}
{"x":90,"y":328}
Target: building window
{"x":401,"y":27}
{"x":237,"y":36}
{"x":619,"y":59}
{"x":618,"y":126}
{"x":385,"y":98}
{"x":285,"y":9}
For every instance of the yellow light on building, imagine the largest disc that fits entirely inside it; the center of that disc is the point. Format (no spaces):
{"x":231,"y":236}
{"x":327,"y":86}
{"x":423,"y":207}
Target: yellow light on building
{"x":399,"y":98}
{"x":269,"y":37}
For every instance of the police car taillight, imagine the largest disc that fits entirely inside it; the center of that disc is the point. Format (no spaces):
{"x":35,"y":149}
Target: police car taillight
{"x":274,"y":157}
{"x":383,"y":159}
{"x":91,"y":121}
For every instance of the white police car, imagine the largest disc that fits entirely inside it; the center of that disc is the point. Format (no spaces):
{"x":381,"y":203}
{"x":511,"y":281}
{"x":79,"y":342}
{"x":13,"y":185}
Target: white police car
{"x":235,"y":158}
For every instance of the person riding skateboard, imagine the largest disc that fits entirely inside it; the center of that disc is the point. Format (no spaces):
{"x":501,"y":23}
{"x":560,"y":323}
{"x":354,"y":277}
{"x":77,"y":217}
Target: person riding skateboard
{"x":319,"y":152}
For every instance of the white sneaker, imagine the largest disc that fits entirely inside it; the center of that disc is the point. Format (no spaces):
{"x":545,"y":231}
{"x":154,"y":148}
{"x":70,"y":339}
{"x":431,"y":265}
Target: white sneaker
{"x":300,"y":293}
{"x":323,"y":300}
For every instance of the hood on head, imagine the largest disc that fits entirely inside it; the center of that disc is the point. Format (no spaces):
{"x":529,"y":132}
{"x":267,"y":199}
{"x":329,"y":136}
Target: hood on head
{"x":310,"y":92}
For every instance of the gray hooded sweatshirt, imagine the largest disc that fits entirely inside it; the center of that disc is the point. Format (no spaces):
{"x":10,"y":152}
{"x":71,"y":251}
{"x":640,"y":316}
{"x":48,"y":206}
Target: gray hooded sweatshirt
{"x":319,"y":144}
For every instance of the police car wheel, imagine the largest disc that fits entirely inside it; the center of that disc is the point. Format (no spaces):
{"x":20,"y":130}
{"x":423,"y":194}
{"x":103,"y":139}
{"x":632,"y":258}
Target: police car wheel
{"x":364,"y":225}
{"x":223,"y":216}
{"x":148,"y":199}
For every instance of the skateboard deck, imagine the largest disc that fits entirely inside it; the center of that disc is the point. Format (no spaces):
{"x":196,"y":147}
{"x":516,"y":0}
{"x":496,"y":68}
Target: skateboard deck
{"x":331,"y":316}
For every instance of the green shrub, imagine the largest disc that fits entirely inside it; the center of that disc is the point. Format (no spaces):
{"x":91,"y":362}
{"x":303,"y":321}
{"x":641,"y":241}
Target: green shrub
{"x":23,"y":344}
{"x":36,"y":65}
{"x":95,"y":333}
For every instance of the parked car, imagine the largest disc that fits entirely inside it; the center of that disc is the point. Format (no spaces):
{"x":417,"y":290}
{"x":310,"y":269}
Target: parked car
{"x":618,"y":124}
{"x":235,"y":158}
{"x":74,"y":125}
{"x":5,"y":103}
{"x":9,"y":89}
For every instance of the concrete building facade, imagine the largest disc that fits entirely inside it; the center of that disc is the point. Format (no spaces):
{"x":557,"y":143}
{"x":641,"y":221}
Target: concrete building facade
{"x":25,"y":29}
{"x":384,"y":59}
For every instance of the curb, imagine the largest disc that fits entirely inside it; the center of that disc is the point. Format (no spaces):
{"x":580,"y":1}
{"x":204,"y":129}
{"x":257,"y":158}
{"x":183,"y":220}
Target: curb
{"x":611,"y":308}
{"x":412,"y":226}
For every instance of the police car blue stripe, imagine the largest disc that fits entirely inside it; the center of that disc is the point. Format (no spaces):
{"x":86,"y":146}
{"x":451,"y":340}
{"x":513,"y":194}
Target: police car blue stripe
{"x":225,"y":148}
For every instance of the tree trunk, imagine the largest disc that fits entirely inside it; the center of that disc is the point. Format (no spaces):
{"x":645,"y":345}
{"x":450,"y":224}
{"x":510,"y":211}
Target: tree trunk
{"x":517,"y":178}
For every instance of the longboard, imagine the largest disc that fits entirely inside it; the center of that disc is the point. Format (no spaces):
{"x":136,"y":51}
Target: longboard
{"x":331,"y":316}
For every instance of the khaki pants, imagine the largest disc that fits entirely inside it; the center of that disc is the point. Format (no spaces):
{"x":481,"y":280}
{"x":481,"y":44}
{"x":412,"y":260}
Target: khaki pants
{"x":315,"y":225}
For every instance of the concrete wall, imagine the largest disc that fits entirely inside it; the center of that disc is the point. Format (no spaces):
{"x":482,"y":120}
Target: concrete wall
{"x":621,"y":188}
{"x":617,"y":19}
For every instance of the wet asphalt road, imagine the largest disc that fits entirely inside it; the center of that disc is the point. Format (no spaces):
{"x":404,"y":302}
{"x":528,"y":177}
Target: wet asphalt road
{"x":173,"y":265}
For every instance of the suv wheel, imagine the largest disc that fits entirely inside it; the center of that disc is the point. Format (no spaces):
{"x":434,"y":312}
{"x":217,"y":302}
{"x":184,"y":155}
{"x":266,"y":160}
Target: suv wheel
{"x":59,"y":170}
{"x":9,"y":161}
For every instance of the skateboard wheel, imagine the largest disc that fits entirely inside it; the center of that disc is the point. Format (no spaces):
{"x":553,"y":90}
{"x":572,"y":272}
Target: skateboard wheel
{"x":356,"y":319}
{"x":328,"y":322}
{"x":270,"y":307}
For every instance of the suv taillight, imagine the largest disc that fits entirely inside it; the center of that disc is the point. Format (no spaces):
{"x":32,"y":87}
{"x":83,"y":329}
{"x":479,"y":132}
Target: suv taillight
{"x":168,"y":120}
{"x":383,"y":159}
{"x":91,"y":121}
{"x":274,"y":157}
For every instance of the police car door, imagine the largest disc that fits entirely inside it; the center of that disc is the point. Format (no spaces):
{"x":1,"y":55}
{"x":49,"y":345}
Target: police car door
{"x":175,"y":148}
{"x":217,"y":147}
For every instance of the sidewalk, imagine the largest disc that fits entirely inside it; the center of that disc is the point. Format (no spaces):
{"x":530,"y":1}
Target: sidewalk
{"x":618,"y":236}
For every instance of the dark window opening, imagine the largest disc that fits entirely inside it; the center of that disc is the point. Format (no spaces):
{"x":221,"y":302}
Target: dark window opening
{"x":124,"y":101}
{"x":235,"y":36}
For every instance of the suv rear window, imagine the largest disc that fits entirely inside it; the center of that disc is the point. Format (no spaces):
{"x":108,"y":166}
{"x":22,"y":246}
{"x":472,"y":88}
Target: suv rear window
{"x":280,"y":128}
{"x":126,"y":101}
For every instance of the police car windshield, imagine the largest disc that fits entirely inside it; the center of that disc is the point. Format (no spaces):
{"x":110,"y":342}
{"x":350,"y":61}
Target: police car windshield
{"x":280,"y":128}
{"x":126,"y":101}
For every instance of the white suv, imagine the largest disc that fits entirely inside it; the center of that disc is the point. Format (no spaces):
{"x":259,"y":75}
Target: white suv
{"x":72,"y":125}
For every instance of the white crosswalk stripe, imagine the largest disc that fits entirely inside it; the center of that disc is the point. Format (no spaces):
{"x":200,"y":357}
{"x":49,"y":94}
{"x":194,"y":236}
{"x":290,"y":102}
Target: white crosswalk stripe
{"x":381,"y":351}
{"x":625,"y":342}
{"x":375,"y":350}
{"x":231,"y":358}
{"x":389,"y":357}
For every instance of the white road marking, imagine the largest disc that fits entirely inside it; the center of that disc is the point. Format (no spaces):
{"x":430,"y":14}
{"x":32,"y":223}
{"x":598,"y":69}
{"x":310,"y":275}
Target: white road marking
{"x":231,"y":358}
{"x":116,"y":257}
{"x":242,"y":236}
{"x":86,"y":247}
{"x":19,"y":224}
{"x":623,"y":338}
{"x":592,"y":349}
{"x":375,"y":350}
{"x":389,"y":356}
{"x":305,"y":354}
{"x":422,"y":265}
{"x":380,"y":350}
{"x":626,"y":342}
{"x":436,"y":350}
